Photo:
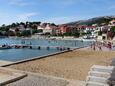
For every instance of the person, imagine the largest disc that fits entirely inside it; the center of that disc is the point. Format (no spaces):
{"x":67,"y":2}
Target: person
{"x":30,"y":43}
{"x":110,"y":45}
{"x":94,"y":47}
{"x":39,"y":47}
{"x":48,"y":48}
{"x":30,"y":47}
{"x":57,"y":48}
{"x":91,"y":46}
{"x":100,"y":48}
{"x":68,"y":48}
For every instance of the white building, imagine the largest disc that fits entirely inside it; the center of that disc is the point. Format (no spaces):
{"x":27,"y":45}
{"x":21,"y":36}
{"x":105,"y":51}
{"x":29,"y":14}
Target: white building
{"x":112,"y":23}
{"x":40,"y":28}
{"x":45,"y":29}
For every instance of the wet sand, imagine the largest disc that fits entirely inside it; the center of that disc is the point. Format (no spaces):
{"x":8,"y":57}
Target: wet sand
{"x":70,"y":65}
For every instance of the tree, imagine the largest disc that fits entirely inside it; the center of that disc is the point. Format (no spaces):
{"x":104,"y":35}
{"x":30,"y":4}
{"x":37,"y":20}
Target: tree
{"x":67,"y":34}
{"x":76,"y":34}
{"x":18,"y":34}
{"x":34,"y":31}
{"x":100,"y":33}
{"x":52,"y":24}
{"x":26,"y":33}
{"x":13,"y":25}
{"x":17,"y":30}
{"x":11,"y":33}
{"x":39,"y":31}
{"x":113,"y":29}
{"x":88,"y":32}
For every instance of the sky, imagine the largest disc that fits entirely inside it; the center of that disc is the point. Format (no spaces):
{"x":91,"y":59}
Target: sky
{"x":53,"y":11}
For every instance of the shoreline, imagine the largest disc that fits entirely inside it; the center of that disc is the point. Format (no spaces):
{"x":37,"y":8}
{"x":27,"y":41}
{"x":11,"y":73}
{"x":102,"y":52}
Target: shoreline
{"x":55,"y":38}
{"x":70,"y":65}
{"x":41,"y":57}
{"x":73,"y":64}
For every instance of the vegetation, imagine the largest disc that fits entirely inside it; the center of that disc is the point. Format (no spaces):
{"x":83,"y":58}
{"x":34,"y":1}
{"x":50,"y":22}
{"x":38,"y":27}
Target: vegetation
{"x":111,"y":33}
{"x":75,"y":34}
{"x":25,"y":26}
{"x":113,"y":30}
{"x":96,"y":20}
{"x":29,"y":28}
{"x":100,"y":33}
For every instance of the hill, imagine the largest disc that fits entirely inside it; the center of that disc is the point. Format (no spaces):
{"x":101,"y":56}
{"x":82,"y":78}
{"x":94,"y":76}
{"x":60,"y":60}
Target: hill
{"x":96,"y":20}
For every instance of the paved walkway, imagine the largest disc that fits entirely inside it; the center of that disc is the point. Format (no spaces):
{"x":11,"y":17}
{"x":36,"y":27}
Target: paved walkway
{"x":9,"y":75}
{"x":33,"y":80}
{"x":42,"y":80}
{"x":4,"y":62}
{"x":76,"y":83}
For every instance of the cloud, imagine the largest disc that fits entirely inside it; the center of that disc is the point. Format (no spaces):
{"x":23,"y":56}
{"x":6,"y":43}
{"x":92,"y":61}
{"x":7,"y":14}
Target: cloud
{"x":6,"y":19}
{"x":19,"y":2}
{"x":26,"y":16}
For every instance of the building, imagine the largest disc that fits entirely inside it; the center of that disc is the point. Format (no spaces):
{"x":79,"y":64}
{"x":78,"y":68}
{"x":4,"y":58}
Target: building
{"x":47,"y":29}
{"x":112,"y":23}
{"x":66,"y":29}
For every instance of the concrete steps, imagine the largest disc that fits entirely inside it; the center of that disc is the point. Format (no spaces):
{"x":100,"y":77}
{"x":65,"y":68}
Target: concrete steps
{"x":98,"y":75}
{"x":90,"y":83}
{"x":96,"y":79}
{"x":98,"y":68}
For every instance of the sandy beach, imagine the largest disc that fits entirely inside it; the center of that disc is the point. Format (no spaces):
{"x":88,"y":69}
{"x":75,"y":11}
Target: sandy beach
{"x":71,"y":65}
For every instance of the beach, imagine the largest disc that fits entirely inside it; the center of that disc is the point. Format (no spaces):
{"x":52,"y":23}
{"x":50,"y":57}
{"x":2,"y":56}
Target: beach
{"x":71,"y":65}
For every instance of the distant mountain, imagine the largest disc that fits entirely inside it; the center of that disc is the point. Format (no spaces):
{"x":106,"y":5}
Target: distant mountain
{"x":96,"y":20}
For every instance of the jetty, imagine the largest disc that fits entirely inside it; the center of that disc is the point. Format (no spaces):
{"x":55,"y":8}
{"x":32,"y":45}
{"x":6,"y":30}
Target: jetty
{"x":39,"y":47}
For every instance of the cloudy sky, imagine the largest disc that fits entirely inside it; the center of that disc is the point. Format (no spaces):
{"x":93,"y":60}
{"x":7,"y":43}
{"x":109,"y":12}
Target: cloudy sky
{"x":57,"y":11}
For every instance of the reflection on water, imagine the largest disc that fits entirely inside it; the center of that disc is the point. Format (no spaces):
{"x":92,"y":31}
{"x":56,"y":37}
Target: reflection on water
{"x":20,"y":54}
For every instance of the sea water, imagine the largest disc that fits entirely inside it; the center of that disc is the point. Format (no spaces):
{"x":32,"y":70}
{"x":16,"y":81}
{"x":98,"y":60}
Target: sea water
{"x":21,"y":54}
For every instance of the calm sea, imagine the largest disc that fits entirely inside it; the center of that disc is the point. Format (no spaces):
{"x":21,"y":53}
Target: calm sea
{"x":21,"y":54}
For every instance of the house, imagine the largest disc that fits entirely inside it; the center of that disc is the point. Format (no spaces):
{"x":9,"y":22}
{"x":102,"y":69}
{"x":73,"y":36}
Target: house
{"x":12,"y":29}
{"x":105,"y":29}
{"x":112,"y":23}
{"x":81,"y":28}
{"x":40,"y":27}
{"x":47,"y":29}
{"x":90,"y":29}
{"x":55,"y":30}
{"x":21,"y":28}
{"x":65,"y":29}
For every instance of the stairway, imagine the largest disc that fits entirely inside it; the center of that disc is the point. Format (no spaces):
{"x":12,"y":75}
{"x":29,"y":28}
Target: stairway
{"x":98,"y":75}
